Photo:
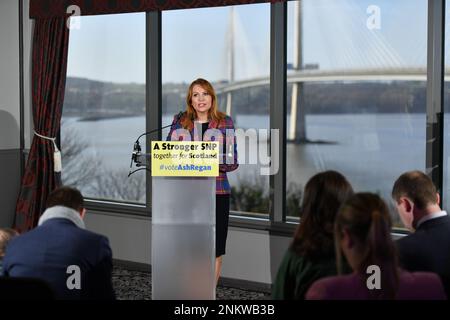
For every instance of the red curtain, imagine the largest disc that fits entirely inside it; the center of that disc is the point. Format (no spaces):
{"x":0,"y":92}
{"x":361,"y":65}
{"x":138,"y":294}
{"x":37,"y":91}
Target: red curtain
{"x":49,"y":66}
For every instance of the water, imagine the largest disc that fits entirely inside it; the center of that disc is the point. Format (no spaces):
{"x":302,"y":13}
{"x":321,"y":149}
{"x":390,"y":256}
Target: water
{"x":372,"y":150}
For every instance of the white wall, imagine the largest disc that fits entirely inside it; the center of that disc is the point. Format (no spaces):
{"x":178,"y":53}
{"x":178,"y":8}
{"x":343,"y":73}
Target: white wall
{"x":9,"y":75}
{"x":252,"y":255}
{"x":9,"y":110}
{"x":129,"y":237}
{"x":247,"y":256}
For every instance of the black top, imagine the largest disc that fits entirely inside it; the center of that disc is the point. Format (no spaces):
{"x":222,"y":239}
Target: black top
{"x":204,"y":128}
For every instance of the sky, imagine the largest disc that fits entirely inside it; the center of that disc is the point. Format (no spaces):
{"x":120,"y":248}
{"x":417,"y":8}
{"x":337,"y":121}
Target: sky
{"x":195,"y":41}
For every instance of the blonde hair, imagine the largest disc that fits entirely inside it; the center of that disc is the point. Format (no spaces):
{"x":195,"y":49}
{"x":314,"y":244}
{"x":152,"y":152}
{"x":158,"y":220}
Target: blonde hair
{"x":6,"y":235}
{"x":187,"y":121}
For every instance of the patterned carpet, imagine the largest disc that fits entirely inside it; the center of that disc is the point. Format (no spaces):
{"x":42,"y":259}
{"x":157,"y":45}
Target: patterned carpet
{"x":136,"y":285}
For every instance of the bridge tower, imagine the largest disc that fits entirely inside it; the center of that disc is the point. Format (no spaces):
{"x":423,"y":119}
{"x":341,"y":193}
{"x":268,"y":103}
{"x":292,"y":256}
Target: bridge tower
{"x":230,"y":57}
{"x":297,"y":130}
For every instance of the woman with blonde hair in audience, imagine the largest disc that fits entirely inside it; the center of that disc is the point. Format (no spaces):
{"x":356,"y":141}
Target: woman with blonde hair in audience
{"x":311,"y":254}
{"x":363,"y":235}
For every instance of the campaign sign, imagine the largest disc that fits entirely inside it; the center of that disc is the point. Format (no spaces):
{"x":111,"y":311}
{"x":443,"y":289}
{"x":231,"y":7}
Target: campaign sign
{"x":185,"y":158}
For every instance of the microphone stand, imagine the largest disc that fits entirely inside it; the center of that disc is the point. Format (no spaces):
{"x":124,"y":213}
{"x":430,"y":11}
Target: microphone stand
{"x":137,"y":157}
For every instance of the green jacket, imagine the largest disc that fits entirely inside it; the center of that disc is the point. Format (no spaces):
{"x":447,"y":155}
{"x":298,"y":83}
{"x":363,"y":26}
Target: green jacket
{"x":296,"y":274}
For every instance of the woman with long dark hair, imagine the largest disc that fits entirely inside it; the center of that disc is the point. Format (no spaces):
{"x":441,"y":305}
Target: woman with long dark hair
{"x":311,"y":254}
{"x":363,"y":235}
{"x":202,"y":114}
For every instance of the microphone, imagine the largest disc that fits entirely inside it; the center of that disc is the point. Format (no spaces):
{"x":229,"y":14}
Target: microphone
{"x":180,"y":114}
{"x":136,"y":155}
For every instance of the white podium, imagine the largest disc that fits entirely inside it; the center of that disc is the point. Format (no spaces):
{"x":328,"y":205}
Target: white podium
{"x":183,"y":238}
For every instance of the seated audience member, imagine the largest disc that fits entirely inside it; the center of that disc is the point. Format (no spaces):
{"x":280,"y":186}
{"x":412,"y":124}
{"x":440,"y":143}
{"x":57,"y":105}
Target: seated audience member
{"x":76,"y":263}
{"x":428,"y":247}
{"x":6,"y":235}
{"x":311,"y":254}
{"x":362,"y":232}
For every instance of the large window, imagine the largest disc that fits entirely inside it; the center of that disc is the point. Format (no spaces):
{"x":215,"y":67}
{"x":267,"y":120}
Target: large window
{"x":356,"y":93}
{"x":104,"y":107}
{"x":230,"y":47}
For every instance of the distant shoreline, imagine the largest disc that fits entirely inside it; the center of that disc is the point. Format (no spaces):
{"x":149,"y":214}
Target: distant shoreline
{"x":100,"y":117}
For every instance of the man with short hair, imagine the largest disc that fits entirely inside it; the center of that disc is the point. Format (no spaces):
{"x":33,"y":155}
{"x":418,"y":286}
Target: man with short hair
{"x":76,"y":263}
{"x":428,"y":247}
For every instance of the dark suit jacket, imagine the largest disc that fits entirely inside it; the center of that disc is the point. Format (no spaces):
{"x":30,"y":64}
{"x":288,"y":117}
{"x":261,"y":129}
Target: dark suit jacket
{"x":428,"y":249}
{"x":47,"y":251}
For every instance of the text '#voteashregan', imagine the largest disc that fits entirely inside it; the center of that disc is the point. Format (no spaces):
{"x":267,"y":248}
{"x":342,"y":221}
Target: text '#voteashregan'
{"x":188,"y":167}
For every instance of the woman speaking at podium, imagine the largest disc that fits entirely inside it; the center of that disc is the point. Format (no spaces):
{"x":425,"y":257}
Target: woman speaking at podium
{"x":201,"y":110}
